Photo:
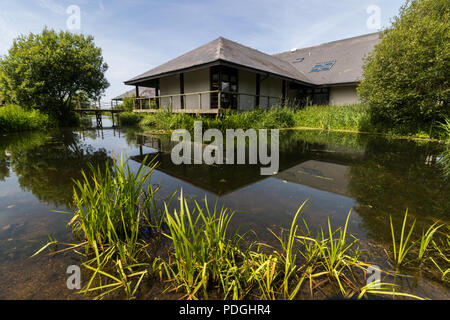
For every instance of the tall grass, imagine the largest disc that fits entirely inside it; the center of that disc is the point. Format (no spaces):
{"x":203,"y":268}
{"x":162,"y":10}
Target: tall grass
{"x":110,"y":208}
{"x":257,"y":119}
{"x":351,"y":117}
{"x":14,"y":119}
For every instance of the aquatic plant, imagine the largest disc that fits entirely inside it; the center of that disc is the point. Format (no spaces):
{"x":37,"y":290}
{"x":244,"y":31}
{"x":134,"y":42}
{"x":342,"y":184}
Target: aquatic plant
{"x":401,"y":250}
{"x":425,"y":240}
{"x":110,"y":207}
{"x":203,"y":257}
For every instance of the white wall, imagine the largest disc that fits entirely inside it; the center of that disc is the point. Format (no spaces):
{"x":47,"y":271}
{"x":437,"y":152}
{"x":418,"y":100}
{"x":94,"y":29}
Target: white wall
{"x":194,"y":81}
{"x":247,"y":84}
{"x":197,"y":81}
{"x":170,"y":85}
{"x":344,"y":95}
{"x":270,"y":87}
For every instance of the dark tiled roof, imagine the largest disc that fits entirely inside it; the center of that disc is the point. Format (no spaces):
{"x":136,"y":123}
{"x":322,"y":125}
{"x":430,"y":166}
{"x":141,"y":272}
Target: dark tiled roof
{"x":348,"y":55}
{"x":226,"y":50}
{"x":143,"y":92}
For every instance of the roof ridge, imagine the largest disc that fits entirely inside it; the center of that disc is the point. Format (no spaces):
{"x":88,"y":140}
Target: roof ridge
{"x":221,"y":39}
{"x":329,"y":42}
{"x":220,"y":48}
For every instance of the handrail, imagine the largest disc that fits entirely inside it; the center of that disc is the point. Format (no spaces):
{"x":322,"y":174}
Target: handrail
{"x":205,"y":92}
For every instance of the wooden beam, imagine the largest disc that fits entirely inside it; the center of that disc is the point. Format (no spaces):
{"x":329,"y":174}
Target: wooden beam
{"x":137,"y":96}
{"x":258,"y":90}
{"x":182,"y":90}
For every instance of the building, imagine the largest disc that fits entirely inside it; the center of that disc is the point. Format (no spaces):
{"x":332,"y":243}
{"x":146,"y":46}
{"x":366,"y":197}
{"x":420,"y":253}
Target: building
{"x":226,"y":74}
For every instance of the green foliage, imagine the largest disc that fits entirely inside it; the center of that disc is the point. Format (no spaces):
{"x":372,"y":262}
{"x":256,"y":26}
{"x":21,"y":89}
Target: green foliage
{"x":109,"y":212}
{"x":257,"y":119}
{"x":129,"y":118}
{"x":128,"y":104}
{"x":406,"y":78}
{"x":14,"y":119}
{"x":351,"y":117}
{"x":47,"y":71}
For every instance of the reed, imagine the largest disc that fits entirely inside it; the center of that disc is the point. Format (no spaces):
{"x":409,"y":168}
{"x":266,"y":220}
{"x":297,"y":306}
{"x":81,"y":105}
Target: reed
{"x":204,"y":258}
{"x":425,"y":240}
{"x":110,"y":207}
{"x":401,"y":250}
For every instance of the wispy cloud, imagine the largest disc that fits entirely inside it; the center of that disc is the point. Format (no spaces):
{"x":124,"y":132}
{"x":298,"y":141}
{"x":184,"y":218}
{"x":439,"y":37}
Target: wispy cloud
{"x":52,"y":6}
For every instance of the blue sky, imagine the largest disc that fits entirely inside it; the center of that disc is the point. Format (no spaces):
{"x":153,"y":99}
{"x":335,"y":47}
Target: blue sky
{"x":137,"y":35}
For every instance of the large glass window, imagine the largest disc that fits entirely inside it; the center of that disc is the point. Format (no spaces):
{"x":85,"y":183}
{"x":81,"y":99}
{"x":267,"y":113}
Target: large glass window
{"x":226,"y":80}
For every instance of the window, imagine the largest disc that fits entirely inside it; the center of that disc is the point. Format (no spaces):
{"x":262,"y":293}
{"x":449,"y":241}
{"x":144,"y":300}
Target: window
{"x":226,"y":80}
{"x":299,"y":60}
{"x":325,"y":66}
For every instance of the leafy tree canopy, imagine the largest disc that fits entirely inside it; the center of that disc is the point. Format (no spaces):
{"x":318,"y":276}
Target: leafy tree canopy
{"x":47,"y":70}
{"x":406,"y":78}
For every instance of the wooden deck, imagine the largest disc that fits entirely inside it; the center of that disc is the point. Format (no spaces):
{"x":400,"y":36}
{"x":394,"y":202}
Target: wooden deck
{"x":99,"y":110}
{"x":190,"y":111}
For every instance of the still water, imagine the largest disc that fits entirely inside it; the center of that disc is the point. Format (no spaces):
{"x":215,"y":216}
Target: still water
{"x":372,"y":176}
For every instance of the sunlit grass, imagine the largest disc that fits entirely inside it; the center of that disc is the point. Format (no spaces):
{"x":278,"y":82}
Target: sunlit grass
{"x":16,"y":119}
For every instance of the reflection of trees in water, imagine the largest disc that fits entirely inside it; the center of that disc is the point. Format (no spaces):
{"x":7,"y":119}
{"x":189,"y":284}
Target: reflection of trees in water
{"x":444,"y":161}
{"x":396,"y":175}
{"x":4,"y":167}
{"x":47,"y":168}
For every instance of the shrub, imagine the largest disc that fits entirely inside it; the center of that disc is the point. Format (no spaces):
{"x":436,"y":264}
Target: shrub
{"x":129,"y":118}
{"x":14,"y":119}
{"x":406,"y":78}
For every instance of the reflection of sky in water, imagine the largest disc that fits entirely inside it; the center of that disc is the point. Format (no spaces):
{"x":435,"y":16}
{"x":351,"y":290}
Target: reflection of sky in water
{"x":337,"y":173}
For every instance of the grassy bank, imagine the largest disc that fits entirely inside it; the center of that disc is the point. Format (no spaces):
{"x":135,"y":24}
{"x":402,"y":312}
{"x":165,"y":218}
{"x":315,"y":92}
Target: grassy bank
{"x":355,"y":118}
{"x":191,"y":251}
{"x":16,"y":119}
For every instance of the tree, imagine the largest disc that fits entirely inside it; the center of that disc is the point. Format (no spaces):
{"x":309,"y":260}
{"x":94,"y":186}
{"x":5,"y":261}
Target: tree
{"x":406,"y":78}
{"x":47,"y":70}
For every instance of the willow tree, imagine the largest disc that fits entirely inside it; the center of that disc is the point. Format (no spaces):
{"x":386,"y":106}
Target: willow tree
{"x":406,"y":78}
{"x":47,"y":70}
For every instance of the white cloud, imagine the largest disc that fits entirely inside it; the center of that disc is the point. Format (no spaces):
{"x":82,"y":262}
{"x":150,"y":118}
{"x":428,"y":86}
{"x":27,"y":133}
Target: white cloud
{"x":52,"y":6}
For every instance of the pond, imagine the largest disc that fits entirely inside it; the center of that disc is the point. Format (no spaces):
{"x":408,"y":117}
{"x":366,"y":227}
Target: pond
{"x":372,"y":176}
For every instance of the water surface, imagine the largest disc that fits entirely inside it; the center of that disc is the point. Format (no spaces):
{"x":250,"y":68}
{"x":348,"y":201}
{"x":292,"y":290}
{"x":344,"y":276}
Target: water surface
{"x":372,"y":176}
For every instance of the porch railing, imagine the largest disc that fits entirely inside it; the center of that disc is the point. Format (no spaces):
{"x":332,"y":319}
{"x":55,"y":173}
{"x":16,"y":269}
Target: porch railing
{"x":213,"y":100}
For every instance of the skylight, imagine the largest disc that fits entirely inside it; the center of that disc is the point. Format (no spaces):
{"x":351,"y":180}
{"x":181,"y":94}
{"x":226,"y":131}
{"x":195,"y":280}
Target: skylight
{"x":299,"y":60}
{"x":325,"y":66}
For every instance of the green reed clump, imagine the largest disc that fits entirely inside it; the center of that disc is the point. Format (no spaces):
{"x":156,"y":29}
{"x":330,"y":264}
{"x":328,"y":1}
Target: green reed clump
{"x":401,"y":249}
{"x":204,"y":259}
{"x":406,"y":250}
{"x":351,"y":117}
{"x":442,"y":259}
{"x":15,"y":119}
{"x":110,"y":206}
